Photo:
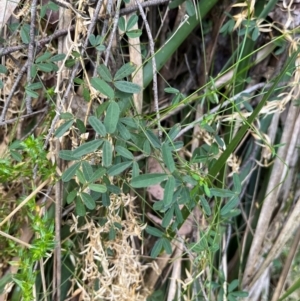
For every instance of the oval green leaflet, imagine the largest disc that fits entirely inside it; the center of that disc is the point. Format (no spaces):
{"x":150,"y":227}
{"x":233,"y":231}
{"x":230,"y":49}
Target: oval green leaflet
{"x":205,"y":205}
{"x":88,"y":200}
{"x":124,"y":152}
{"x":124,"y":71}
{"x":79,"y":207}
{"x":87,"y":148}
{"x":98,"y":187}
{"x":231,"y":204}
{"x":154,"y":231}
{"x":169,"y":192}
{"x":168,"y":157}
{"x":127,"y":87}
{"x":147,"y":180}
{"x":112,"y":117}
{"x":101,"y":86}
{"x":107,"y":154}
{"x":70,"y":172}
{"x":131,"y":21}
{"x":118,"y":168}
{"x":63,"y":128}
{"x":97,"y":125}
{"x":87,"y":170}
{"x":157,"y":248}
{"x":104,"y":72}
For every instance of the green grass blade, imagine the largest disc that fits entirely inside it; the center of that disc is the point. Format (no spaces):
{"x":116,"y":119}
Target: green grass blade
{"x":176,"y":40}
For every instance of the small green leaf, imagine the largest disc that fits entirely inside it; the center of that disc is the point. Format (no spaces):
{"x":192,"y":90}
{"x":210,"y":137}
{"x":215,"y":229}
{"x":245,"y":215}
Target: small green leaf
{"x":179,"y":217}
{"x":124,"y":71}
{"x":168,"y":157}
{"x":79,"y":207}
{"x":122,"y":24}
{"x":52,"y":6}
{"x":45,"y":67}
{"x":44,"y":57}
{"x":127,"y":87}
{"x":154,"y":231}
{"x":63,"y":128}
{"x":153,"y":139}
{"x":101,"y":108}
{"x":58,"y":57}
{"x":173,"y":132}
{"x":98,"y":174}
{"x":129,"y":121}
{"x":31,"y":93}
{"x":101,"y":48}
{"x":168,"y":217}
{"x":86,"y":94}
{"x":25,"y":34}
{"x":111,"y":233}
{"x":92,"y":39}
{"x":223,"y":193}
{"x":147,"y":148}
{"x":88,"y":200}
{"x":69,"y":63}
{"x":233,"y":285}
{"x":80,"y":125}
{"x":71,"y":196}
{"x":124,"y":152}
{"x":101,"y":86}
{"x":112,"y":117}
{"x":98,"y":187}
{"x":87,"y":170}
{"x":97,"y":125}
{"x":105,"y":200}
{"x":171,"y":90}
{"x":70,"y":172}
{"x":232,"y":203}
{"x":205,"y":205}
{"x":135,"y":169}
{"x":107,"y":154}
{"x":3,"y":69}
{"x":147,"y":180}
{"x":16,"y":156}
{"x":33,"y":71}
{"x":169,"y":192}
{"x":131,"y":21}
{"x":87,"y":148}
{"x":157,"y":248}
{"x":67,"y":155}
{"x":118,"y":168}
{"x":35,"y":86}
{"x":135,"y":33}
{"x":167,"y":245}
{"x":66,"y":116}
{"x":237,"y":183}
{"x":123,"y":131}
{"x":104,"y":72}
{"x":190,"y":8}
{"x":76,"y":54}
{"x":80,"y":177}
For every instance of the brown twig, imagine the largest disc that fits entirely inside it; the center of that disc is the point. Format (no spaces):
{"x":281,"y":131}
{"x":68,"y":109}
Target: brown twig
{"x":31,"y":47}
{"x":39,"y":44}
{"x":116,"y":19}
{"x":22,"y":117}
{"x":12,"y":91}
{"x":130,"y":9}
{"x":151,"y":45}
{"x":74,"y":72}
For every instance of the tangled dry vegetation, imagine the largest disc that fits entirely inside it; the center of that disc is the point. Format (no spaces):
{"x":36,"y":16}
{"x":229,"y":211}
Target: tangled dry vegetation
{"x":149,"y":150}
